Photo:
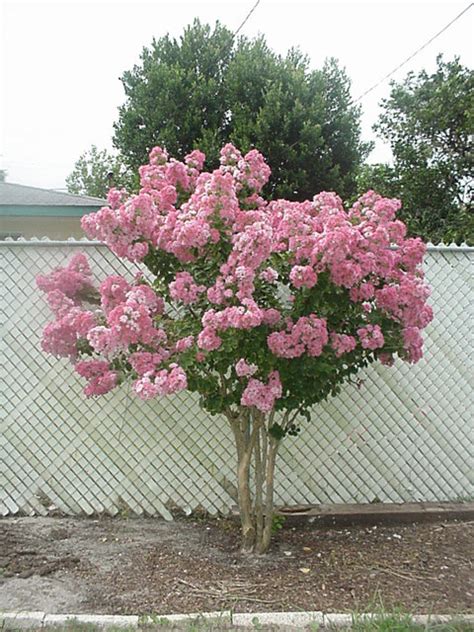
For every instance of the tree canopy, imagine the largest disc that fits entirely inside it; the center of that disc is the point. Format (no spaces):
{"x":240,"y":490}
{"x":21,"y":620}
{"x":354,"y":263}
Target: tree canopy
{"x":95,"y":172}
{"x":209,"y":88}
{"x":429,"y":122}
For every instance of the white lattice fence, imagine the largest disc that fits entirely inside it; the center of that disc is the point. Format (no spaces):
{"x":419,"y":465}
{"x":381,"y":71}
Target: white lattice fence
{"x":405,"y":434}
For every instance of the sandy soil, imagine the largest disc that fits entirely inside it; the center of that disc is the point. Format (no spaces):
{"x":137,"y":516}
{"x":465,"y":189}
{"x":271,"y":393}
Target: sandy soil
{"x":140,"y":566}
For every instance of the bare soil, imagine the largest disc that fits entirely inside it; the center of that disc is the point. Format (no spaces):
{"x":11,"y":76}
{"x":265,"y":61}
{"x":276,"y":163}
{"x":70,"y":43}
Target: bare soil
{"x":143,"y":566}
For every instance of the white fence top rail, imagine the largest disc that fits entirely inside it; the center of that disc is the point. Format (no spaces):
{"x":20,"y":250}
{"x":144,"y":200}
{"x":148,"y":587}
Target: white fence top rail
{"x":44,"y":241}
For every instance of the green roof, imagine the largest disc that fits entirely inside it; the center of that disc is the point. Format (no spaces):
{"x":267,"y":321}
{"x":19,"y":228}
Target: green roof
{"x":17,"y":199}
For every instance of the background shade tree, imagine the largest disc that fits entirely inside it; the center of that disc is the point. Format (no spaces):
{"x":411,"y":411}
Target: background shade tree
{"x":96,"y":171}
{"x":208,"y":88}
{"x":429,"y":122}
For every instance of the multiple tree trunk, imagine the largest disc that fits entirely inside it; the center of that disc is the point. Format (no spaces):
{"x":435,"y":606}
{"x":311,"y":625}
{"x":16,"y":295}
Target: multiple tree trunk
{"x":256,"y":454}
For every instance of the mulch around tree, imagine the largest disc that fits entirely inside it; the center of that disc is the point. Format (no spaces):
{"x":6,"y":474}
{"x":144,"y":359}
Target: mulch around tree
{"x":140,"y":566}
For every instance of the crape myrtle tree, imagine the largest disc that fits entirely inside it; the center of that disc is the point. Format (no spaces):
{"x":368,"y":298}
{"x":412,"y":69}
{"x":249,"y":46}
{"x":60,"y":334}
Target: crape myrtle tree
{"x":238,"y":90}
{"x":262,"y":308}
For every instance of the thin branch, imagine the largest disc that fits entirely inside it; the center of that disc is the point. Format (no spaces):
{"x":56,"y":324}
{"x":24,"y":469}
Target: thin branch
{"x":297,"y":412}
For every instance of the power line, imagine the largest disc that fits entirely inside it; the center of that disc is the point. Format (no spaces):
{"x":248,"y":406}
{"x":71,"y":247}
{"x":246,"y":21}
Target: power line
{"x":445,"y":28}
{"x":247,"y":17}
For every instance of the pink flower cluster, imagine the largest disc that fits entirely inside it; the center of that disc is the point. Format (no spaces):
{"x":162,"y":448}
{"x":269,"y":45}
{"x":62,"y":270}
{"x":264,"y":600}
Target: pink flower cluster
{"x":66,"y":289}
{"x":145,"y":363}
{"x":342,"y":343}
{"x":412,"y":344}
{"x":250,"y":171}
{"x":61,"y":336}
{"x":269,"y":275}
{"x":243,"y":369}
{"x":113,"y":292}
{"x":100,"y":378}
{"x":303,"y":276}
{"x":164,"y":382}
{"x":262,"y":395}
{"x":130,"y":322}
{"x":184,"y":289}
{"x":248,"y":315}
{"x":183,"y":344}
{"x":405,"y":301}
{"x":130,"y":225}
{"x":208,"y":340}
{"x":73,"y":281}
{"x":371,"y":337}
{"x":308,"y":335}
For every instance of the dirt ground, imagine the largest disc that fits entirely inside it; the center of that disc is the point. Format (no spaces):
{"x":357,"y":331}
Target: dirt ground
{"x":142,"y":566}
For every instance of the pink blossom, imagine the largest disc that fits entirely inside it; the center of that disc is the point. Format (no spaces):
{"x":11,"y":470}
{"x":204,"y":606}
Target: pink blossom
{"x":250,"y":171}
{"x":269,"y":275}
{"x":309,"y":334}
{"x":184,"y":288}
{"x":101,"y":384}
{"x":208,"y":339}
{"x":59,"y":339}
{"x":176,"y":174}
{"x":164,"y":382}
{"x":271,"y":316}
{"x":91,"y":368}
{"x":59,"y":303}
{"x":143,"y":295}
{"x":371,"y":337}
{"x":61,"y":336}
{"x":171,"y":381}
{"x":100,"y":378}
{"x":412,"y":344}
{"x":230,"y":156}
{"x":131,"y":324}
{"x":158,"y":156}
{"x":412,"y":252}
{"x":362,"y":293}
{"x":145,"y":388}
{"x":184,"y":343}
{"x":116,"y":197}
{"x":195,"y":159}
{"x":74,"y":280}
{"x":262,"y":395}
{"x":145,"y":362}
{"x":243,"y":369}
{"x":303,"y":276}
{"x":101,"y":340}
{"x":113,"y":291}
{"x":342,"y":343}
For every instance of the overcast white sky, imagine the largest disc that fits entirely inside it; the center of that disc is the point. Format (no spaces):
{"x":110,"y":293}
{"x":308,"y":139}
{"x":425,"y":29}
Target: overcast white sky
{"x":61,"y":61}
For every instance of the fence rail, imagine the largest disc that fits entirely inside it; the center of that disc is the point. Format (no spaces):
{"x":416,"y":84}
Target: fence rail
{"x":404,"y":435}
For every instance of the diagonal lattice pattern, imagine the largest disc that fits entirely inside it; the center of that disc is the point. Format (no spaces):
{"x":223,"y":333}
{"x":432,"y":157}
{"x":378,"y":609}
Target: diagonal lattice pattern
{"x":404,"y":434}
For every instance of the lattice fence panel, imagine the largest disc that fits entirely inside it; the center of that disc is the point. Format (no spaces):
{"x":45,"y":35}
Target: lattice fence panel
{"x":404,"y":435}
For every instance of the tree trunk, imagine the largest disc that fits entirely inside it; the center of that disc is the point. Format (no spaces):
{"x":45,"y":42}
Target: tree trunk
{"x":255,"y":447}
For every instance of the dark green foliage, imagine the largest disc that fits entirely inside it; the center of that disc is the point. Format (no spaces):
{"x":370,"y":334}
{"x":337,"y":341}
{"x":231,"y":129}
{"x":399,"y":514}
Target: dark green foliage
{"x":208,"y":89}
{"x":429,"y":122}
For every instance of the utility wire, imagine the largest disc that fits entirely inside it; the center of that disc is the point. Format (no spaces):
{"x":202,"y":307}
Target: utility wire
{"x":247,"y":17}
{"x":445,"y":28}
